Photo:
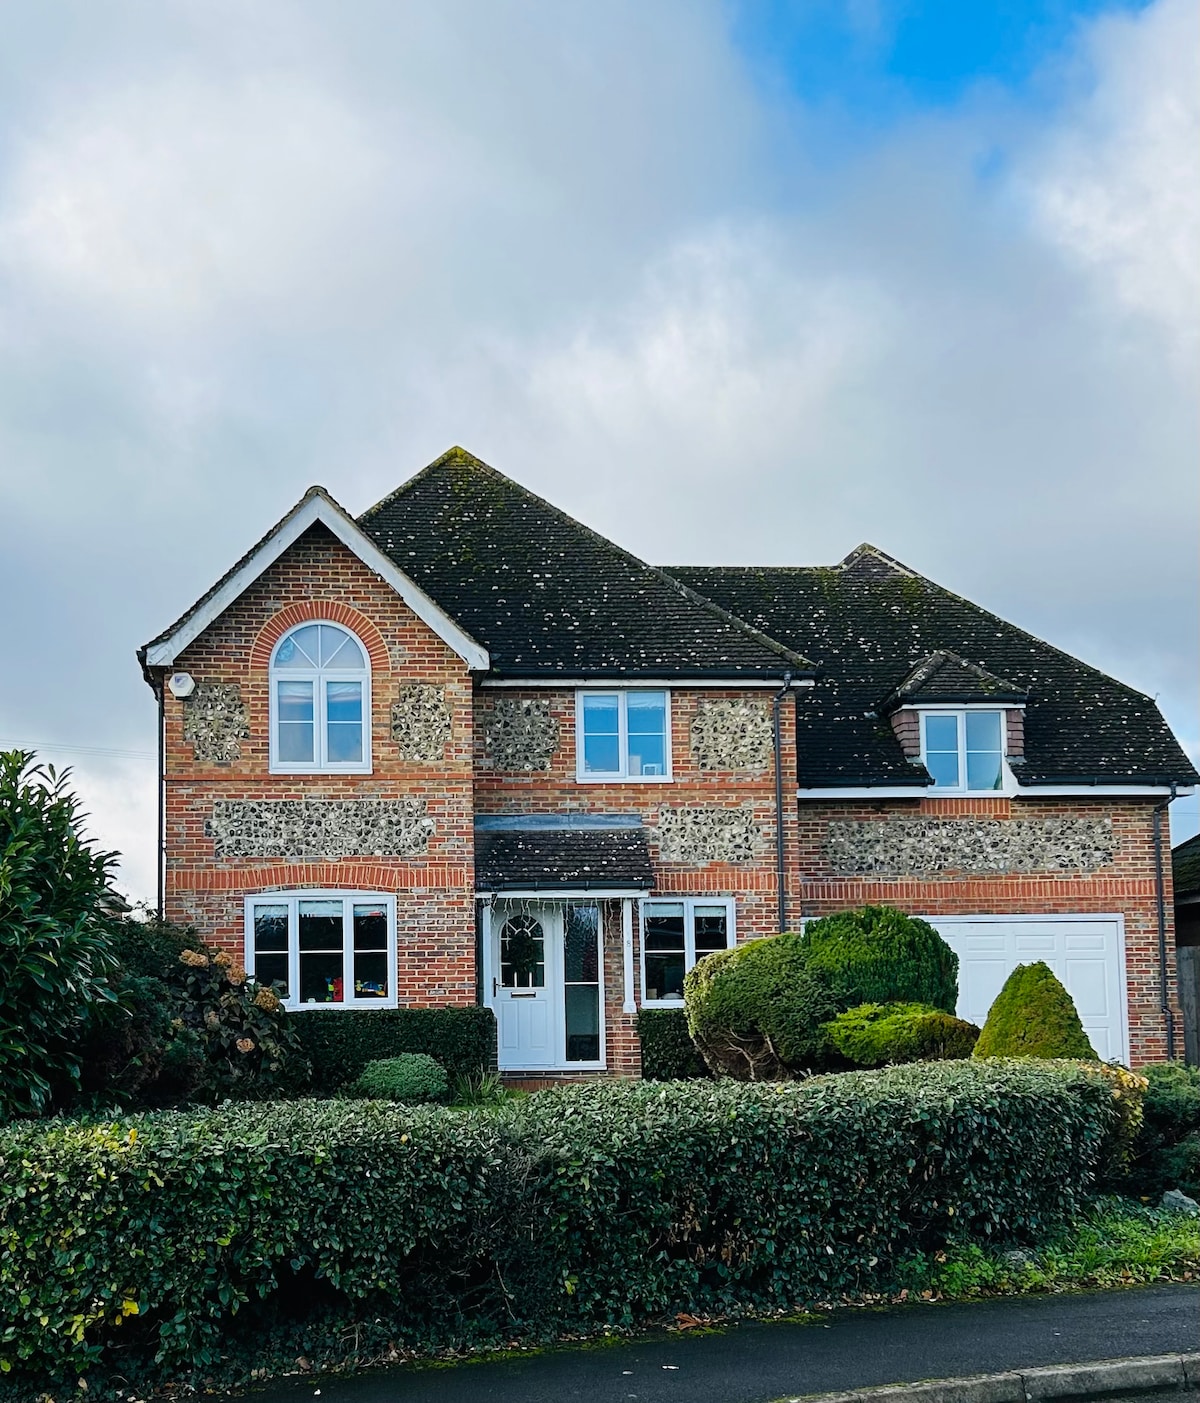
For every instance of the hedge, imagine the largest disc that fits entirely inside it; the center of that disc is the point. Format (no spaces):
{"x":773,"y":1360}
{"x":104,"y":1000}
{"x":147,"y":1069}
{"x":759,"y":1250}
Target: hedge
{"x":340,"y":1042}
{"x":668,"y":1052}
{"x":200,"y":1247}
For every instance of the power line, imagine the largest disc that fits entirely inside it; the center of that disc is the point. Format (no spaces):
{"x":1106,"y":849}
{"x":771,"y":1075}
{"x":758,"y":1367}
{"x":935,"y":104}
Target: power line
{"x":77,"y":749}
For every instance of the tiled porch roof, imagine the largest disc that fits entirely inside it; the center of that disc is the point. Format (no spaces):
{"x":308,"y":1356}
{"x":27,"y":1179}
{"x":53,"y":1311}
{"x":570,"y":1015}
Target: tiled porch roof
{"x":567,"y":852}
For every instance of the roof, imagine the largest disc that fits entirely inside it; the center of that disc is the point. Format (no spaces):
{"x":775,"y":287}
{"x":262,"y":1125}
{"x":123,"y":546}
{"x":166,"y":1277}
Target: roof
{"x":538,"y":852}
{"x":549,"y":597}
{"x":315,"y":508}
{"x":869,"y":621}
{"x":1185,"y":868}
{"x":944,"y":677}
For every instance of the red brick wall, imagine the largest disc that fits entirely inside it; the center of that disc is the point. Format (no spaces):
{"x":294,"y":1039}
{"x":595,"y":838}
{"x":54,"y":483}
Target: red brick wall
{"x":319,"y":578}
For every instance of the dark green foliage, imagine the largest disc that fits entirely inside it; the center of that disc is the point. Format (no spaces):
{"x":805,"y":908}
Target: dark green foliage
{"x":873,"y":1035}
{"x":878,"y":955}
{"x":185,"y":1246}
{"x":668,"y":1052}
{"x":413,"y":1077}
{"x":1167,"y":1150}
{"x":339,"y":1043}
{"x":757,"y":1012}
{"x":1033,"y":1016}
{"x":55,"y":938}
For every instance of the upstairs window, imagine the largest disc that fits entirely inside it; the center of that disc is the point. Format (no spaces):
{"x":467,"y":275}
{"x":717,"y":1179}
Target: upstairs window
{"x":964,"y":750}
{"x":320,"y":702}
{"x":623,"y":735}
{"x":675,"y":934}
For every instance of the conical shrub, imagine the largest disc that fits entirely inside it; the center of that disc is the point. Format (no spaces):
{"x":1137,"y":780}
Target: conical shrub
{"x":1033,"y":1016}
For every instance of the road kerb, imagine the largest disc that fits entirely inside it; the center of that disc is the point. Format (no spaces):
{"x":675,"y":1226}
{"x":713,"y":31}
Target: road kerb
{"x":1098,"y":1379}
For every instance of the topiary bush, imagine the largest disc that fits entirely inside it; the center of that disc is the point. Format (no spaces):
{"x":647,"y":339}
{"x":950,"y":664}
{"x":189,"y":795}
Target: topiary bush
{"x":340,"y":1042}
{"x":413,"y":1077}
{"x":876,"y":954}
{"x":668,"y":1052}
{"x":874,"y":1035}
{"x":1033,"y":1016}
{"x":757,"y":1012}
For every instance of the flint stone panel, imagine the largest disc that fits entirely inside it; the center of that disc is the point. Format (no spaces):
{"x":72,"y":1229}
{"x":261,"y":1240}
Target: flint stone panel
{"x":930,"y":847}
{"x":519,"y":734}
{"x":319,"y":828}
{"x":731,"y":735}
{"x":215,"y":721}
{"x":704,"y":834}
{"x":421,"y":723}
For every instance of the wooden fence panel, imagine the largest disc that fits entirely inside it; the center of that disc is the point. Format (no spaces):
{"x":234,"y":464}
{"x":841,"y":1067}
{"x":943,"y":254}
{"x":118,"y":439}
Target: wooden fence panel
{"x":1188,"y":963}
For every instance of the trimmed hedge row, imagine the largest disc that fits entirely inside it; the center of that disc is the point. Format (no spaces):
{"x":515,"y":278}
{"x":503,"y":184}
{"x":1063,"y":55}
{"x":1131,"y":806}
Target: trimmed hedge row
{"x":339,"y":1043}
{"x":668,"y":1052}
{"x":195,"y":1245}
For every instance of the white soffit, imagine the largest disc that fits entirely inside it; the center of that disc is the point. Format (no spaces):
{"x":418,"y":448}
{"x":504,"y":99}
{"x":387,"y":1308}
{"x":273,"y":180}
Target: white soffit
{"x":318,"y":506}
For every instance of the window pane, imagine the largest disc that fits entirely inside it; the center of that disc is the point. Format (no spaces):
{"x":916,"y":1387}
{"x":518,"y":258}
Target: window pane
{"x":580,"y":940}
{"x":343,"y":713}
{"x":711,"y":929}
{"x":370,"y":927}
{"x":664,"y":975}
{"x":941,"y":732}
{"x":273,"y":970}
{"x":294,"y":701}
{"x":662,"y":926}
{"x":601,"y":735}
{"x":983,"y":770}
{"x":270,"y":946}
{"x":983,"y":730}
{"x":338,"y":649}
{"x":321,"y":978}
{"x":943,"y":767}
{"x":321,"y":925}
{"x":583,"y":1022}
{"x":370,"y":975}
{"x":646,"y":719}
{"x":343,"y":701}
{"x":299,"y":649}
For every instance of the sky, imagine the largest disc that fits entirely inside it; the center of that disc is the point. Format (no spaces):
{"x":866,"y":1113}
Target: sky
{"x":731,"y":282}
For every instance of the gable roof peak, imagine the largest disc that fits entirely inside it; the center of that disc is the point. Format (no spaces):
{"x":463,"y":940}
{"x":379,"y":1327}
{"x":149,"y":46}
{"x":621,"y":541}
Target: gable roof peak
{"x":869,"y":555}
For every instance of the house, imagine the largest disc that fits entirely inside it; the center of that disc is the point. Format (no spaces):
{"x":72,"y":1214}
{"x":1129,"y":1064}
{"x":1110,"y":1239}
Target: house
{"x":465,"y":749}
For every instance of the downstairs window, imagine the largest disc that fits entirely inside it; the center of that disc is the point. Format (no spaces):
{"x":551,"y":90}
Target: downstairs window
{"x":323,"y":949}
{"x":675,"y":935}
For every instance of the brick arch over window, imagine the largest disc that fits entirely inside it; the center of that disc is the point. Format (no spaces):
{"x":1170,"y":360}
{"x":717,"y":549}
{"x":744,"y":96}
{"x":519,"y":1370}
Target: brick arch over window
{"x":328,"y":611}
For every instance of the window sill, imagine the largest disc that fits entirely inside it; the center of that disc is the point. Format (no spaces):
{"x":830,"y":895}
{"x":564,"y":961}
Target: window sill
{"x":624,"y":779}
{"x":322,"y":770}
{"x":317,"y":1008}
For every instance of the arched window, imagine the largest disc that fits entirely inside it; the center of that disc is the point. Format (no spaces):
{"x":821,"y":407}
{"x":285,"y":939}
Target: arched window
{"x":320,"y":701}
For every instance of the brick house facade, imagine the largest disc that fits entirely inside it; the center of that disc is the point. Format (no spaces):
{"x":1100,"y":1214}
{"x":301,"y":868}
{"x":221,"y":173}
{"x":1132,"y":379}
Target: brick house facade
{"x":465,"y":750}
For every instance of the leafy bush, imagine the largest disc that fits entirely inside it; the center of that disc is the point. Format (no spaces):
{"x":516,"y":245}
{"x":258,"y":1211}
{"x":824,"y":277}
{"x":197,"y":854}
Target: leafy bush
{"x":413,"y":1077}
{"x":757,"y":1012}
{"x":876,"y":954}
{"x":1129,"y":1093}
{"x":185,"y":1245}
{"x":55,"y":938}
{"x":1167,"y":1150}
{"x":340,"y":1042}
{"x":873,"y":1035}
{"x":668,"y":1052}
{"x":480,"y":1089}
{"x":1033,"y":1016}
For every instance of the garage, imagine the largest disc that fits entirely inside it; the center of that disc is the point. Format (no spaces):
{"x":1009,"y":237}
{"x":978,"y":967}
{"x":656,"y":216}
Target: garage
{"x":1087,"y":953}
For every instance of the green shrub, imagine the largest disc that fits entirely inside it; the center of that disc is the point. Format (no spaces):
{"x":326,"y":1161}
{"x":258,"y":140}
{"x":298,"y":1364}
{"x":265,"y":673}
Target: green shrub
{"x":878,"y":955}
{"x":199,"y":1246}
{"x":340,"y":1042}
{"x":757,"y":1012}
{"x":55,"y":938}
{"x":668,"y":1052}
{"x":873,"y":1035}
{"x":413,"y":1077}
{"x":1167,"y":1150}
{"x":1033,"y":1016}
{"x":481,"y":1089}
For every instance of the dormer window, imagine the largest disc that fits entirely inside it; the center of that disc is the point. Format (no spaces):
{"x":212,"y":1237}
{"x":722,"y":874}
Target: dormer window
{"x":964,"y":750}
{"x":320,"y":702}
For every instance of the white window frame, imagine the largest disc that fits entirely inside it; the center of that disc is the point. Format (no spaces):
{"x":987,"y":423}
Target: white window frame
{"x":349,"y":899}
{"x":318,"y":677}
{"x":621,"y":775}
{"x":1008,"y":783}
{"x":689,"y":904}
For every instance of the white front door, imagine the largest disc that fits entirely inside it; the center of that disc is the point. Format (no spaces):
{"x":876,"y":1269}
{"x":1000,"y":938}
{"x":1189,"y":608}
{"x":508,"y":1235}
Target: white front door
{"x":1087,"y":953}
{"x":526,"y":980}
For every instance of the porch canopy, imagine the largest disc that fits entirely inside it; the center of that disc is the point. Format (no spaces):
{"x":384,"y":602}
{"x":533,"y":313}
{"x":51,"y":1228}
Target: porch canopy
{"x":601,"y":853}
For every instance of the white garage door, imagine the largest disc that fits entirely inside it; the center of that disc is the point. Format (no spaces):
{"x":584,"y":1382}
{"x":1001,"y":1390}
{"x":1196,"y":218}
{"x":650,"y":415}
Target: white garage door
{"x":1086,"y":952}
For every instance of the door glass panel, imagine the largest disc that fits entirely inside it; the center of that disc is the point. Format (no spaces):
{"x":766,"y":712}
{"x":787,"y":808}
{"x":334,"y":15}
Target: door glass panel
{"x":581,"y":941}
{"x":321,"y":952}
{"x":370,"y":952}
{"x":270,"y":947}
{"x":601,"y":735}
{"x":295,"y":717}
{"x":646,"y":720}
{"x":583,"y":1022}
{"x":522,"y":954}
{"x":343,"y":717}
